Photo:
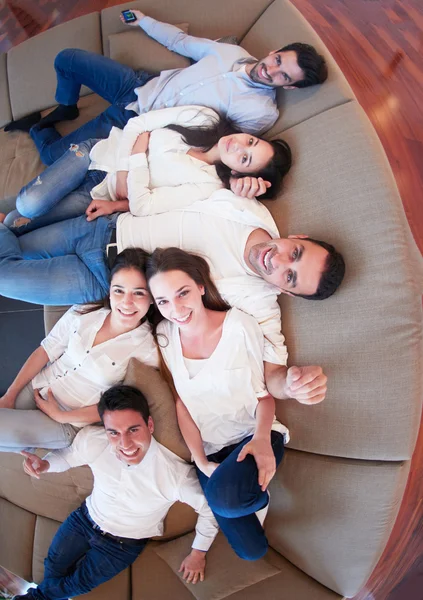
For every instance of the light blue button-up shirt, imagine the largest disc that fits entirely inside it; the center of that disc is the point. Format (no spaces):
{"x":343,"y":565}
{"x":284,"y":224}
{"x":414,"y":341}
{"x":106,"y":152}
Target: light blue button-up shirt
{"x":217,"y":79}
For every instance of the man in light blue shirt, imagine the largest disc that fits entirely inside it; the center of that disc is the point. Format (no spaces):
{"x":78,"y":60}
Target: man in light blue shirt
{"x":223,"y":77}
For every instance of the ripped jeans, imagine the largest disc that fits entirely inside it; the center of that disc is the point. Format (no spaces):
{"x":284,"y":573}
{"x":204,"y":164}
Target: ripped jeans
{"x":61,"y":192}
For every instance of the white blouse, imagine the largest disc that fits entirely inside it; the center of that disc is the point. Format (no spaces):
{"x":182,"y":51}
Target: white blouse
{"x":78,"y":373}
{"x":222,"y":397}
{"x":165,"y":179}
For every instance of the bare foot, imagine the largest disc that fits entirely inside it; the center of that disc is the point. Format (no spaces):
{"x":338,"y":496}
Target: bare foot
{"x":2,"y":217}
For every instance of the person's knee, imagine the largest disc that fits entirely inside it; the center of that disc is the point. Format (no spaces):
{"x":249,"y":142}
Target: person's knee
{"x":254,"y":552}
{"x":29,"y":202}
{"x":14,"y":220}
{"x":63,"y":58}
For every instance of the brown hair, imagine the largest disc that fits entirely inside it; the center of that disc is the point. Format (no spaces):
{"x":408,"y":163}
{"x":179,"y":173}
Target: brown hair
{"x":174,"y":259}
{"x":131,"y":258}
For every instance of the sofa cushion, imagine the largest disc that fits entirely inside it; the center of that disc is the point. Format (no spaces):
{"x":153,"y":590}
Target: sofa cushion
{"x":17,"y":536}
{"x":231,"y":573}
{"x":282,"y":24}
{"x":206,"y":19}
{"x":5,"y":108}
{"x":32,"y":62}
{"x":162,"y":583}
{"x":332,"y":517}
{"x":368,"y":337}
{"x":162,"y":406}
{"x":137,"y":50}
{"x":19,"y":159}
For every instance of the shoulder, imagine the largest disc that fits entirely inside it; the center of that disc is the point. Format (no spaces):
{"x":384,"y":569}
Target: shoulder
{"x":90,"y":442}
{"x":176,"y":466}
{"x":246,"y":323}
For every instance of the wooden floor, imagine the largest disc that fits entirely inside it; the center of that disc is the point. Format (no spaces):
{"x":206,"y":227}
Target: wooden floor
{"x":379,"y":46}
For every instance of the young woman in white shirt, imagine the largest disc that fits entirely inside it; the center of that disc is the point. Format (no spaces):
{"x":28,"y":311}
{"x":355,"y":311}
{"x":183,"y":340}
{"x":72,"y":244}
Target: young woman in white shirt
{"x":214,"y":354}
{"x":57,"y":390}
{"x":190,"y":154}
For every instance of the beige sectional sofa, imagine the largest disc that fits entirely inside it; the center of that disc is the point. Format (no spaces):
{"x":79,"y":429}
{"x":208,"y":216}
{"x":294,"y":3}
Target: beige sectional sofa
{"x":337,"y":493}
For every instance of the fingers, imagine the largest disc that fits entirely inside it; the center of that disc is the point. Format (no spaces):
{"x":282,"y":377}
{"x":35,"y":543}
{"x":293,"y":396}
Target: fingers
{"x":243,"y":453}
{"x":192,"y":576}
{"x":293,"y":374}
{"x":307,"y":376}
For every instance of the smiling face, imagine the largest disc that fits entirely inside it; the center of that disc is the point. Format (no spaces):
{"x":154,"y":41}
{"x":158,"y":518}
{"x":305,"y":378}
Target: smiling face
{"x":129,"y":298}
{"x":293,"y":264}
{"x":178,"y":298}
{"x":244,"y":153}
{"x":278,"y":69}
{"x":128,"y":434}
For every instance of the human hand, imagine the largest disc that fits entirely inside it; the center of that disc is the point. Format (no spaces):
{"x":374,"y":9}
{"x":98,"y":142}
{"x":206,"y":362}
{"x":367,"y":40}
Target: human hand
{"x":139,"y":15}
{"x":141,"y":145}
{"x":193,"y":566}
{"x":249,"y":187}
{"x":34,"y":465}
{"x":99,"y":208}
{"x":7,"y":400}
{"x":208,"y":467}
{"x":122,"y":185}
{"x":261,"y":449}
{"x":307,"y":385}
{"x":50,"y":407}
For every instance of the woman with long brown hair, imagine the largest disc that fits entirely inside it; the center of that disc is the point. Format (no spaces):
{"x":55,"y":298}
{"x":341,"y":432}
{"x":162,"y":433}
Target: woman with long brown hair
{"x":214,"y":354}
{"x":58,"y":388}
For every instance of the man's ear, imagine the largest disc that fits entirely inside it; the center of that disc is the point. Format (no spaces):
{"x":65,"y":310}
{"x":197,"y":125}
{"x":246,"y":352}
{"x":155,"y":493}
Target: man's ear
{"x":272,"y":52}
{"x":299,"y":236}
{"x":150,"y":425}
{"x":286,"y":292}
{"x":290,"y":87}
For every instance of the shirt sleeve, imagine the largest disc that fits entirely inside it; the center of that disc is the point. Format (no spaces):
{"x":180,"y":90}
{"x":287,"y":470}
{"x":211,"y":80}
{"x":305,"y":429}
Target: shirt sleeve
{"x":86,"y":447}
{"x":57,"y":340}
{"x":158,"y":119}
{"x":262,"y":304}
{"x":257,"y":123}
{"x":148,"y":353}
{"x":254,"y":343}
{"x":177,"y":40}
{"x":189,"y":491}
{"x":144,"y":201}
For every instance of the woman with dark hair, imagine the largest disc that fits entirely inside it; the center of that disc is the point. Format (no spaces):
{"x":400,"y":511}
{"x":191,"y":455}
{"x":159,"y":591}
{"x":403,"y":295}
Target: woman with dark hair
{"x":57,"y":390}
{"x":190,"y":154}
{"x":214,"y":355}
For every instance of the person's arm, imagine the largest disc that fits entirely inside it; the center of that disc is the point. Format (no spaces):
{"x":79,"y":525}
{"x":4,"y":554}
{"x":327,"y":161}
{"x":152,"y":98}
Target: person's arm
{"x":100,"y":208}
{"x":189,"y":491}
{"x":189,"y":116}
{"x":192,"y":437}
{"x":307,"y":385}
{"x":79,"y":416}
{"x":172,"y":37}
{"x":33,"y":365}
{"x":260,"y":445}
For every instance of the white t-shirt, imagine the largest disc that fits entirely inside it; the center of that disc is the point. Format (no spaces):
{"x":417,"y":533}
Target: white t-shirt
{"x":222,"y":397}
{"x":78,"y":373}
{"x":168,"y":177}
{"x":132,"y":501}
{"x":218,"y":230}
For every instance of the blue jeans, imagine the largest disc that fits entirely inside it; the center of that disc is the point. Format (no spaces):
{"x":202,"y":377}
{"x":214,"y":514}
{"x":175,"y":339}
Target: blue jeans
{"x":107,"y":78}
{"x":80,"y":558}
{"x":234,"y":495}
{"x":61,"y":192}
{"x":64,"y":263}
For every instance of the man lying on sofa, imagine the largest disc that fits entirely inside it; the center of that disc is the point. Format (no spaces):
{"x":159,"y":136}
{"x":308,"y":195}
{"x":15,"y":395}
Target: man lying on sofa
{"x":111,"y":528}
{"x":225,"y":78}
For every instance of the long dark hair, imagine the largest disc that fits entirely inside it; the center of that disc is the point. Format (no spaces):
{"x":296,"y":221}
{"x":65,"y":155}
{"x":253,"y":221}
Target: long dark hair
{"x":174,"y":259}
{"x":131,"y":258}
{"x":207,"y":136}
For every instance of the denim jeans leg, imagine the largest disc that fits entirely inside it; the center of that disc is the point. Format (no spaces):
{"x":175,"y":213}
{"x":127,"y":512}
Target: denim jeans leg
{"x":65,"y":175}
{"x":70,"y":573}
{"x":108,"y":78}
{"x":234,"y":495}
{"x":64,"y":263}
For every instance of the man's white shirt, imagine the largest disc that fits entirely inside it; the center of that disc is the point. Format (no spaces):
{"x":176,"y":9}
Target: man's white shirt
{"x":132,"y":501}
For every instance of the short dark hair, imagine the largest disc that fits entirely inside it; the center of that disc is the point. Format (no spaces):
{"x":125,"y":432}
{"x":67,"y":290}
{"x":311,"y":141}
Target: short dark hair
{"x":332,"y":275}
{"x":123,"y":397}
{"x":310,"y":62}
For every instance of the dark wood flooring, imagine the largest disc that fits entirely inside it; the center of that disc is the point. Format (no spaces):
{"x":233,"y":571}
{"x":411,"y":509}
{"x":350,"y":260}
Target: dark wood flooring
{"x":379,"y":46}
